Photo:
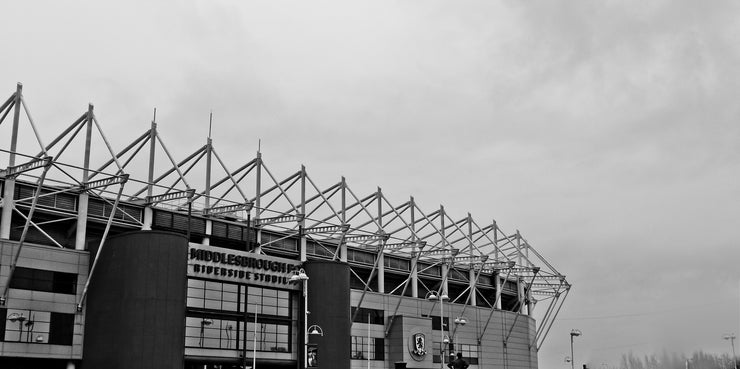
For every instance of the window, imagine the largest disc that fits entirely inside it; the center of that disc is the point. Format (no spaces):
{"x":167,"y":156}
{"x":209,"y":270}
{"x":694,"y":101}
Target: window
{"x":40,"y":327}
{"x":361,"y":346}
{"x":44,"y":280}
{"x":435,"y":322}
{"x":397,"y":263}
{"x":61,"y":328}
{"x":210,"y":333}
{"x":457,"y":274}
{"x":269,"y":337}
{"x":429,"y":269}
{"x":360,"y":257}
{"x":469,"y":352}
{"x":268,"y":301}
{"x":213,"y":295}
{"x":279,"y":242}
{"x":376,"y":316}
{"x":319,"y":249}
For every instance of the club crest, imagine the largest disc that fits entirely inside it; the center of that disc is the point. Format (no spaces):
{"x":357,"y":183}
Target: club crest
{"x":418,"y":346}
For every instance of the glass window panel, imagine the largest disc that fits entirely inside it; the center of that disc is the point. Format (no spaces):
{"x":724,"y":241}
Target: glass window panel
{"x":229,"y":296}
{"x":196,"y":283}
{"x":210,"y":333}
{"x":230,"y":288}
{"x":27,"y":326}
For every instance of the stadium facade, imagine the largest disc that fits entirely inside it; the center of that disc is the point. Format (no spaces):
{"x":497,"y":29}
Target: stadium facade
{"x":132,"y":258}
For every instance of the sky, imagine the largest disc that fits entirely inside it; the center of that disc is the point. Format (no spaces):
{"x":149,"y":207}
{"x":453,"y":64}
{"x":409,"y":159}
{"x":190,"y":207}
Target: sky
{"x":606,"y":132}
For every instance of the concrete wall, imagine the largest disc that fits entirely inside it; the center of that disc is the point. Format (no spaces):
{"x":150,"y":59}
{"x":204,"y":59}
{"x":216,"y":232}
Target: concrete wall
{"x":136,"y":302}
{"x":517,"y":354}
{"x":328,"y":288}
{"x":52,"y":259}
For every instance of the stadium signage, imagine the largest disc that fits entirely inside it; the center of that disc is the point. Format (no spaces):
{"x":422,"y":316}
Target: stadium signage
{"x":238,"y":266}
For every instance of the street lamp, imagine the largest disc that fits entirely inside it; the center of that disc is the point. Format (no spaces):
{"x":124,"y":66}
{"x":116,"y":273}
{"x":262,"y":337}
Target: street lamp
{"x":731,"y":338}
{"x":300,"y":276}
{"x":459,"y":321}
{"x":432,"y":296}
{"x":573,"y":333}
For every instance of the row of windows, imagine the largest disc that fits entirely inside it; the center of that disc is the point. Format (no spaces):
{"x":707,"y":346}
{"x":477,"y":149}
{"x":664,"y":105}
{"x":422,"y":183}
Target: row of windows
{"x":397,"y":263}
{"x":229,"y":297}
{"x":41,"y":327}
{"x":230,"y":335}
{"x":364,"y":314}
{"x":279,"y":241}
{"x":44,"y":281}
{"x":67,"y":201}
{"x":361,"y":257}
{"x":469,"y":352}
{"x":325,"y":250}
{"x":367,"y":348}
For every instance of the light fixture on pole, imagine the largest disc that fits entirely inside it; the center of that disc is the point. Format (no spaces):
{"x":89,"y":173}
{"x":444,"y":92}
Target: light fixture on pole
{"x":731,"y":337}
{"x":432,"y":296}
{"x":459,"y":321}
{"x":573,"y":333}
{"x":301,"y":276}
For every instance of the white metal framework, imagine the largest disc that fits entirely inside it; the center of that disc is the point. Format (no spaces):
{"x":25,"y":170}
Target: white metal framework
{"x":334,"y":218}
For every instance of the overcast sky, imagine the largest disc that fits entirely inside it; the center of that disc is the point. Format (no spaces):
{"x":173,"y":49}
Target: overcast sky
{"x":606,"y":132}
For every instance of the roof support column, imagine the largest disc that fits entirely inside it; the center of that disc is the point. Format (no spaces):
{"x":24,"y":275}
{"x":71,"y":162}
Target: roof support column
{"x":381,"y":262}
{"x":499,"y":285}
{"x":8,"y":199}
{"x":302,"y":221}
{"x":520,"y":295}
{"x":209,"y":156}
{"x":148,"y":212}
{"x":343,"y":245}
{"x":84,"y":198}
{"x":257,"y":202}
{"x":415,"y":256}
{"x":445,"y":264}
{"x":209,"y":231}
{"x":471,"y":272}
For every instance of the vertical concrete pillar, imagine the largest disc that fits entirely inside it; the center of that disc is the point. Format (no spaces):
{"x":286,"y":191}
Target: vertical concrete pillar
{"x":414,"y":275}
{"x":473,"y":294}
{"x":8,"y":201}
{"x":83,"y":200}
{"x":148,"y":219}
{"x":445,"y":270}
{"x":209,"y":230}
{"x":80,"y":236}
{"x":499,"y":285}
{"x":520,"y":295}
{"x":381,"y":272}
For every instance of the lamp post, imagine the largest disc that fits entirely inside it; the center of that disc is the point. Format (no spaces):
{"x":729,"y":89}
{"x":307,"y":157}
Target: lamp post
{"x":731,"y":337}
{"x":432,"y":296}
{"x":459,"y":321}
{"x":573,"y":333}
{"x":248,"y":208}
{"x":300,"y":276}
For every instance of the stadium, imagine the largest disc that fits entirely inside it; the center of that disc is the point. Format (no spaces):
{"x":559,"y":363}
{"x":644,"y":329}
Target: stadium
{"x":130,"y":257}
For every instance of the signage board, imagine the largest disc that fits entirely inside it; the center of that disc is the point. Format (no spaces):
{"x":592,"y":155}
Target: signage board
{"x":235,"y":266}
